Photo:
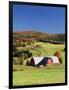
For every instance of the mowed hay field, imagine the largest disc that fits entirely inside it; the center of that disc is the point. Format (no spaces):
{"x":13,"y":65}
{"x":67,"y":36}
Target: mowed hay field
{"x":28,"y":75}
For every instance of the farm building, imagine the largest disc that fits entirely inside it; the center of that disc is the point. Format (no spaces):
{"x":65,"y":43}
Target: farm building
{"x":37,"y":61}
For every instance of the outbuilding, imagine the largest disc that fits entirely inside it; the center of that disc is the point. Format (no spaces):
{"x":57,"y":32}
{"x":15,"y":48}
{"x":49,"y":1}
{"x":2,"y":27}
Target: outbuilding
{"x":37,"y":61}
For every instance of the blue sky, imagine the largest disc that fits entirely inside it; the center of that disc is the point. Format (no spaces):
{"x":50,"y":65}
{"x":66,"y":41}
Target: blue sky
{"x":39,"y":18}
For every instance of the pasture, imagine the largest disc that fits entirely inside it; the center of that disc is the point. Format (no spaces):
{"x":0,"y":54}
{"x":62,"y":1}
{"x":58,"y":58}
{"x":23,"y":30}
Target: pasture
{"x":28,"y":75}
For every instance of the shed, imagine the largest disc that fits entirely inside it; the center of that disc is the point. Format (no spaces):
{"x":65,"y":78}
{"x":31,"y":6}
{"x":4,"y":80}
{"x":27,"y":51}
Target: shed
{"x":36,"y":61}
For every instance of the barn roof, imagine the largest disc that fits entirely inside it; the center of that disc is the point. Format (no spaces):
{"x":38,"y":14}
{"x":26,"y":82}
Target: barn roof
{"x":37,"y":59}
{"x":54,"y":59}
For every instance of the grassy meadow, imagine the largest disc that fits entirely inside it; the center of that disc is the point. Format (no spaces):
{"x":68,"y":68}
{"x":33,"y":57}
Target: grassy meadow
{"x":28,"y":75}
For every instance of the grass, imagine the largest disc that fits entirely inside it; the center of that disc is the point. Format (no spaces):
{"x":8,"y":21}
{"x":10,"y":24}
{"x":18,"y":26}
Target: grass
{"x":31,"y":75}
{"x":28,"y":75}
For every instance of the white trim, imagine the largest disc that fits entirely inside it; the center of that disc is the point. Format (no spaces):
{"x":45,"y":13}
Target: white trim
{"x":37,"y":59}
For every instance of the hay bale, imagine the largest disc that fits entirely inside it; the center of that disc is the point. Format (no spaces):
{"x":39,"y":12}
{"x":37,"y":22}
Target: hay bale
{"x":58,"y":54}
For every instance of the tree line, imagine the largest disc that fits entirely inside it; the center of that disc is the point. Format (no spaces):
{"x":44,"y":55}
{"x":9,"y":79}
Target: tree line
{"x":41,"y":36}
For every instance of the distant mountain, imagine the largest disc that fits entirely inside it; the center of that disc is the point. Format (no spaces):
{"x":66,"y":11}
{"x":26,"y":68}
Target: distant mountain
{"x":29,"y":32}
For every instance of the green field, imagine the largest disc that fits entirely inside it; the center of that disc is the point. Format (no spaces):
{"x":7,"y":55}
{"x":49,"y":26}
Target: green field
{"x":28,"y":75}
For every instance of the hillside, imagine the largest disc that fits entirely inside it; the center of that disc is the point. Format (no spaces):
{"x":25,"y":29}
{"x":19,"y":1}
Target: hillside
{"x":39,"y":36}
{"x":29,"y":32}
